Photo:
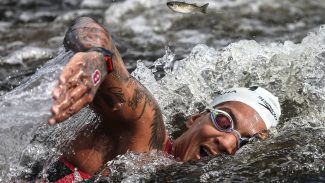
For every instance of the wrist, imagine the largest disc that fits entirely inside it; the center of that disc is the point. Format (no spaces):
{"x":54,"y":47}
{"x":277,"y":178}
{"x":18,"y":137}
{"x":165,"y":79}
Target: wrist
{"x":107,"y":56}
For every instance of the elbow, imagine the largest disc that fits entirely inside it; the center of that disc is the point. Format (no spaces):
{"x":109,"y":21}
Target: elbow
{"x":84,"y":33}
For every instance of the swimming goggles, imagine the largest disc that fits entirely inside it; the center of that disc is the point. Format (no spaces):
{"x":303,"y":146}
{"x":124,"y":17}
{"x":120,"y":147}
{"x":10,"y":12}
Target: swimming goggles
{"x":224,"y":122}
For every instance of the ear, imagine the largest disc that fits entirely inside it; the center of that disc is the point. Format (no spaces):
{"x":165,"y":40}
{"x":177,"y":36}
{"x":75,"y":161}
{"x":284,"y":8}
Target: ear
{"x":191,"y":120}
{"x":262,"y":135}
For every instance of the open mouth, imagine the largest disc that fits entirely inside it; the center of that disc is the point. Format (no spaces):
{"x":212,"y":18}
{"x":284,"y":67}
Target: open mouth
{"x":204,"y":152}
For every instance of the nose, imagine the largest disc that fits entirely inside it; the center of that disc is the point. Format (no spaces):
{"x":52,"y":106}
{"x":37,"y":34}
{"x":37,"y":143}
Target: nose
{"x":227,"y":143}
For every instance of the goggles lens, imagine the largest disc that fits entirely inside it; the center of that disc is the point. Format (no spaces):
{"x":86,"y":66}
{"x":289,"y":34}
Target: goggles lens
{"x":223,"y":122}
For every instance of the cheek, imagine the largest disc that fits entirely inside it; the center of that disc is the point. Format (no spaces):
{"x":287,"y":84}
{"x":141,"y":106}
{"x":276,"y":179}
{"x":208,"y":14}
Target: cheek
{"x":208,"y":131}
{"x":201,"y":128}
{"x":196,"y":133}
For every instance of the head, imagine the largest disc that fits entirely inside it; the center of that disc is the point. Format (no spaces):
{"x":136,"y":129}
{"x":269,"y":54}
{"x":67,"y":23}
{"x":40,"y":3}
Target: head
{"x":174,"y":5}
{"x":234,"y":116}
{"x":171,"y":4}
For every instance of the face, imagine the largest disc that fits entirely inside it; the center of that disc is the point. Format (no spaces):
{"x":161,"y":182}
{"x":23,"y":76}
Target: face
{"x":203,"y":139}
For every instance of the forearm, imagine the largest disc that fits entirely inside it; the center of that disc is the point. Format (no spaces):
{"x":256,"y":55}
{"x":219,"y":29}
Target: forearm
{"x":84,"y":33}
{"x":118,"y":92}
{"x":118,"y":97}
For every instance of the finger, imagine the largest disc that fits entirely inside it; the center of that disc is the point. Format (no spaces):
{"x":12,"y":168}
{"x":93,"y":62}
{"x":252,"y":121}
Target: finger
{"x":73,"y":95}
{"x":72,"y":68}
{"x":87,"y":83}
{"x":60,"y":92}
{"x":67,"y":72}
{"x":71,"y":82}
{"x":78,"y":92}
{"x":64,"y":99}
{"x":58,"y":108}
{"x":76,"y":107}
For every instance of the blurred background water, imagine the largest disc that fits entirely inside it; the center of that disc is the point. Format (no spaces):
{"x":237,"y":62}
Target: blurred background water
{"x":183,"y":59}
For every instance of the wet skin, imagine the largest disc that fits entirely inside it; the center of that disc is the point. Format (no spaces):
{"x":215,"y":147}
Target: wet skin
{"x":202,"y":138}
{"x":131,"y":117}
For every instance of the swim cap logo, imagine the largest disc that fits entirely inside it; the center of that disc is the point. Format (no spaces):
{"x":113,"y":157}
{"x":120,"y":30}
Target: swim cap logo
{"x":267,"y":106}
{"x":227,"y":92}
{"x":96,"y":77}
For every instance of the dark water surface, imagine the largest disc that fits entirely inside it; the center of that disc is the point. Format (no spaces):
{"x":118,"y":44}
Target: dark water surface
{"x":183,"y":59}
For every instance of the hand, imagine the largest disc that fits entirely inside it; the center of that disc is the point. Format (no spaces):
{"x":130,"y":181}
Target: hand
{"x":78,"y":84}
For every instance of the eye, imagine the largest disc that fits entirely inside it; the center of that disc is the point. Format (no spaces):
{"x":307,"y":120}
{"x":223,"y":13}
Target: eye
{"x":223,"y":121}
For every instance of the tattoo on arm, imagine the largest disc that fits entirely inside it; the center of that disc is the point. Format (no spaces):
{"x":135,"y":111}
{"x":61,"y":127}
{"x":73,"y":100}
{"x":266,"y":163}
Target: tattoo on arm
{"x":140,"y":94}
{"x":157,"y":125}
{"x":112,"y":95}
{"x":81,"y":37}
{"x":119,"y":74}
{"x":158,"y":130}
{"x":136,"y":98}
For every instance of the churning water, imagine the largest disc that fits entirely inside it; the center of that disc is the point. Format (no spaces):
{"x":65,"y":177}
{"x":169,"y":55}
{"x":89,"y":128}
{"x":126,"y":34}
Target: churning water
{"x":184,"y":60}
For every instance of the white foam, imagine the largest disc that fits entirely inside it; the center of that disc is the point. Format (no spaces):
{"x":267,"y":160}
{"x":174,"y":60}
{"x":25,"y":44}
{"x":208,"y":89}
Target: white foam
{"x":283,"y":68}
{"x":27,"y":53}
{"x":94,"y":4}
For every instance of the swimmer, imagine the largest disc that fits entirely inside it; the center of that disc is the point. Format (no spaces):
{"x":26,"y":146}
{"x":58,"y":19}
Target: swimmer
{"x":131,"y":117}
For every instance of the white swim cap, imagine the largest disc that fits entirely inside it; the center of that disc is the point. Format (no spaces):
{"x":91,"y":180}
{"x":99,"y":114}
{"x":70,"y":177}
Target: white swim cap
{"x":261,"y":100}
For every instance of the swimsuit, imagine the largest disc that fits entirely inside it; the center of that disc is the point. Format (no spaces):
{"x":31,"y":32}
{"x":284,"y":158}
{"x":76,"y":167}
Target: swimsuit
{"x":168,"y":146}
{"x":65,"y":172}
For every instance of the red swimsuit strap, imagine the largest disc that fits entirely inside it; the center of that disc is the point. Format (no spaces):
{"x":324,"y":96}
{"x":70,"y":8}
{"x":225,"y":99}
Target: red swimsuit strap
{"x":72,"y":168}
{"x":70,"y":177}
{"x":168,"y":146}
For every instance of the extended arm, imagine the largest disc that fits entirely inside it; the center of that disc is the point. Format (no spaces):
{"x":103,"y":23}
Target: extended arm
{"x":76,"y":85}
{"x":117,"y":97}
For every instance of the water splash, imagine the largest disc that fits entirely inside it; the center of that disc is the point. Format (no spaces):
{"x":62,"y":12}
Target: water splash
{"x":136,"y":167}
{"x":24,"y":112}
{"x":293,"y":72}
{"x":27,"y":54}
